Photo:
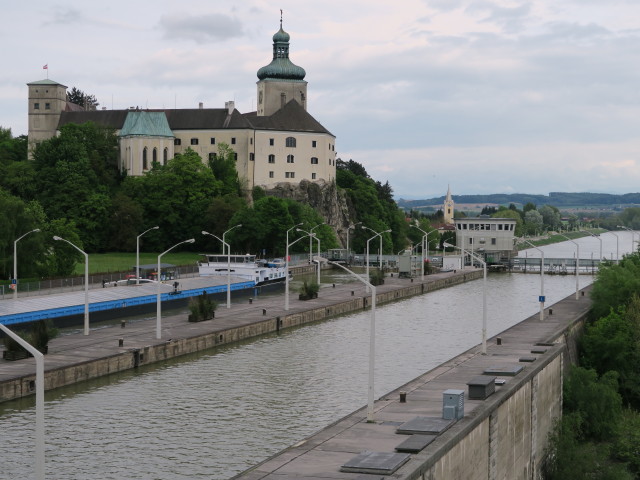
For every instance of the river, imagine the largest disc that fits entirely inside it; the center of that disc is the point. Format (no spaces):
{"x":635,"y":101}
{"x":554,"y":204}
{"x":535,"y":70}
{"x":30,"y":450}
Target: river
{"x":216,"y":413}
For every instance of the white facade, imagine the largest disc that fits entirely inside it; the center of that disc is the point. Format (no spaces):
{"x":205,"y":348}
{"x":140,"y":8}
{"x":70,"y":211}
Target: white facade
{"x":485,"y":234}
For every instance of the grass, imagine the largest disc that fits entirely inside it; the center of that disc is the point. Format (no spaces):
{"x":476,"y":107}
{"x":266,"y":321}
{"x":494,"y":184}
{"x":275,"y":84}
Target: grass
{"x":122,"y":262}
{"x":559,"y":238}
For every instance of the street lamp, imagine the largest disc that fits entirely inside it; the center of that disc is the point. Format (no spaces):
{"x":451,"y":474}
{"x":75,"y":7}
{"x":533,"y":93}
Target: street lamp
{"x":349,"y":228}
{"x":617,"y":246}
{"x":310,"y":232}
{"x":86,"y":283}
{"x":39,"y":358}
{"x":424,"y":241}
{"x":484,"y":293}
{"x":15,"y":262}
{"x":313,"y":235}
{"x":600,"y":240}
{"x":158,"y":302}
{"x":138,"y":253}
{"x":542,"y":299}
{"x":372,"y":341}
{"x":286,"y":281}
{"x":225,"y":246}
{"x":376,"y":235}
{"x":628,"y":230}
{"x":577,"y":264}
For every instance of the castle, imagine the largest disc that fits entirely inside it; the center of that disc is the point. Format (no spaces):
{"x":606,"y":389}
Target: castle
{"x":280,"y":142}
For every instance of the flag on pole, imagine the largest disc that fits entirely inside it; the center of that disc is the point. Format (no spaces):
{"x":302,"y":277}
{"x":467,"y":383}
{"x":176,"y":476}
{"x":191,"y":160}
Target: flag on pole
{"x":46,"y":67}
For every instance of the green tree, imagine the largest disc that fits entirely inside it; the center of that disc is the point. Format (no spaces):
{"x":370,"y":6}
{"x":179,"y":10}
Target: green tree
{"x":615,"y":285}
{"x":533,"y":222}
{"x":550,"y":217}
{"x":223,"y":166}
{"x":126,"y":218}
{"x":85,"y":100}
{"x":510,"y":213}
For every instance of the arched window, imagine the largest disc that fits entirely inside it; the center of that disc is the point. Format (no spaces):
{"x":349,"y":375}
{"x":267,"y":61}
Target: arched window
{"x":145,"y":165}
{"x":314,"y":160}
{"x":290,"y":158}
{"x":154,"y":156}
{"x":165,"y":156}
{"x":291,"y":142}
{"x":272,"y":159}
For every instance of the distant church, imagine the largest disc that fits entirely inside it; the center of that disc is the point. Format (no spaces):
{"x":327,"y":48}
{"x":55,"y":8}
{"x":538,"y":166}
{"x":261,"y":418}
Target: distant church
{"x":280,"y":142}
{"x":448,"y":208}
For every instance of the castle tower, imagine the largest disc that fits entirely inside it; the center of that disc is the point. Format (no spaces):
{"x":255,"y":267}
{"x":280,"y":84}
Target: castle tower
{"x":448,"y":207}
{"x":47,"y":100}
{"x":281,"y":80}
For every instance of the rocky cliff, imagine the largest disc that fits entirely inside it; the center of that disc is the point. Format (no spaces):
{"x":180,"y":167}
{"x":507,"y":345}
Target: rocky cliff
{"x":325,"y":197}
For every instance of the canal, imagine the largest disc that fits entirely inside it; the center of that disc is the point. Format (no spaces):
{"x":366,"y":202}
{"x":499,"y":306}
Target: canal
{"x":216,"y":413}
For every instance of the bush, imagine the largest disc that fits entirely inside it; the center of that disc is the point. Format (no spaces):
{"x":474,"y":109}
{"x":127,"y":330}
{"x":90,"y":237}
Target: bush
{"x":309,"y":290}
{"x":376,"y":277}
{"x":202,"y":308}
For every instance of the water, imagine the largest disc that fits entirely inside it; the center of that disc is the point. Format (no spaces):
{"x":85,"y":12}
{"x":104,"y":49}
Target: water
{"x":214,"y":414}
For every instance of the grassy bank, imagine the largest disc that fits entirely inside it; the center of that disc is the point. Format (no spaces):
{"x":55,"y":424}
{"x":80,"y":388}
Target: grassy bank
{"x":121,"y":262}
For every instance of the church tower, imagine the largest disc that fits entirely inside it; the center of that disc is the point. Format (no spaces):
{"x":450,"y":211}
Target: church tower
{"x":47,"y":100}
{"x":281,"y":81}
{"x":448,"y":207}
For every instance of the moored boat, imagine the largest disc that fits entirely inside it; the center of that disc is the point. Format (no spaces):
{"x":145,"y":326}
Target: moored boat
{"x":247,"y":267}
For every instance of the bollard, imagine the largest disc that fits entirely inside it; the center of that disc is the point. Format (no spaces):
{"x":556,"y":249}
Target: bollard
{"x":551,"y":311}
{"x":121,"y":342}
{"x":334,"y":285}
{"x":582,"y":292}
{"x":123,"y":323}
{"x":250,"y":301}
{"x":403,"y":397}
{"x":499,"y":341}
{"x":391,"y":274}
{"x":412,"y":280}
{"x":264,"y":311}
{"x":352,"y":293}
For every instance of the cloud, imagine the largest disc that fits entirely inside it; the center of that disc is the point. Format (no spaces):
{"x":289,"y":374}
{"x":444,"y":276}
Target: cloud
{"x":209,"y":28}
{"x":65,"y":16}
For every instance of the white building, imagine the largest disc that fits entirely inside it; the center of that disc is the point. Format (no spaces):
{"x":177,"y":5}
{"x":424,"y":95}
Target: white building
{"x":492,"y":238}
{"x":280,"y":142}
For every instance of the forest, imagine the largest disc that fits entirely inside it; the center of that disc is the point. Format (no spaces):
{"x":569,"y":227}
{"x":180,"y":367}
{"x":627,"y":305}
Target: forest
{"x":73,"y":189}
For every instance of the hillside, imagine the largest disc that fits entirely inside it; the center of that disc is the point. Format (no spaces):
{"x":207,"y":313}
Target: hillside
{"x":557,"y":199}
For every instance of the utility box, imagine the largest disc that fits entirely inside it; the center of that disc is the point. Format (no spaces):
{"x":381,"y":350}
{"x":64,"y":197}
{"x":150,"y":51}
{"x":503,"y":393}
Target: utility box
{"x":481,"y":387}
{"x":408,"y":265}
{"x":451,"y":262}
{"x":453,"y":404}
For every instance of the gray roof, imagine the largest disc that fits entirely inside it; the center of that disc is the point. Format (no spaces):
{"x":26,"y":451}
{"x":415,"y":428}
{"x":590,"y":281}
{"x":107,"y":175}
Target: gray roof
{"x":291,"y":117}
{"x":46,"y":81}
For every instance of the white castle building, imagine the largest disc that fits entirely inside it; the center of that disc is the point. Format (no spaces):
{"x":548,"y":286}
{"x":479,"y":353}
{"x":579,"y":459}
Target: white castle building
{"x":280,"y":142}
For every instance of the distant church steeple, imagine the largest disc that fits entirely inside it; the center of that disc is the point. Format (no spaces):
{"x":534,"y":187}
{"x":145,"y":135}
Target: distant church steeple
{"x":448,"y":207}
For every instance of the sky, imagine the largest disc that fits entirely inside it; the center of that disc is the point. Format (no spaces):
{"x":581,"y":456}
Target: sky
{"x":487,"y":96}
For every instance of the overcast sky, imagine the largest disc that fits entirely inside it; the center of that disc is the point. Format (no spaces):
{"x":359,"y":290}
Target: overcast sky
{"x":489,"y":96}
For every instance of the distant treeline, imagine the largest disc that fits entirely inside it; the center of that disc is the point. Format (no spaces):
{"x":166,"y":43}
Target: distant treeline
{"x":557,"y":199}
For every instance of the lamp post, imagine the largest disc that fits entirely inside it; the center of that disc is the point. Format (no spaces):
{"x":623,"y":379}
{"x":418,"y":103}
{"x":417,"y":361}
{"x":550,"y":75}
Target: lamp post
{"x":138,"y":253}
{"x":349,"y":228}
{"x":600,"y":240}
{"x":372,"y":341}
{"x":15,"y":262}
{"x":158,"y":301}
{"x":617,"y":246}
{"x":39,"y":358}
{"x":86,"y":283}
{"x":311,"y":237}
{"x":424,"y":241}
{"x":628,"y":230}
{"x":225,"y":247}
{"x":484,"y":294}
{"x":310,"y":232}
{"x":577,"y":264}
{"x":286,"y":281}
{"x":542,"y":299}
{"x":376,"y":235}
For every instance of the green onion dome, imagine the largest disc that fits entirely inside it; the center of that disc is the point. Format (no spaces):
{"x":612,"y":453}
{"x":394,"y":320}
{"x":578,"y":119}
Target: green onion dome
{"x":281,"y":68}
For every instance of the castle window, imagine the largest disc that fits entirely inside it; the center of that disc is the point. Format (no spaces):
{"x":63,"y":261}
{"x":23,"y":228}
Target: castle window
{"x":145,"y":165}
{"x":36,"y":106}
{"x":177,"y":141}
{"x":235,"y":156}
{"x":233,"y":140}
{"x":313,"y":176}
{"x":270,"y":174}
{"x":154,"y":155}
{"x":212,"y":156}
{"x":291,"y":142}
{"x":314,"y":160}
{"x":213,"y":140}
{"x":493,"y":241}
{"x":165,"y":156}
{"x":314,"y":144}
{"x":194,"y":141}
{"x":290,"y":159}
{"x":251,"y":157}
{"x":271,"y":141}
{"x":47,"y":106}
{"x":272,"y":159}
{"x":290,"y":174}
{"x":251,"y":141}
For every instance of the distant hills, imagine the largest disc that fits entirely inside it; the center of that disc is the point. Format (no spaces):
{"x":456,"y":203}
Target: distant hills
{"x":557,"y":199}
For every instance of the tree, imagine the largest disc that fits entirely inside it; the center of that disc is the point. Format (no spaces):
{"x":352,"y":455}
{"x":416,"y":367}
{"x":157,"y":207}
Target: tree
{"x":126,"y":216}
{"x":550,"y":217}
{"x":532,"y":222}
{"x":510,"y":213}
{"x":615,"y":286}
{"x":223,"y":166}
{"x":85,"y":100}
